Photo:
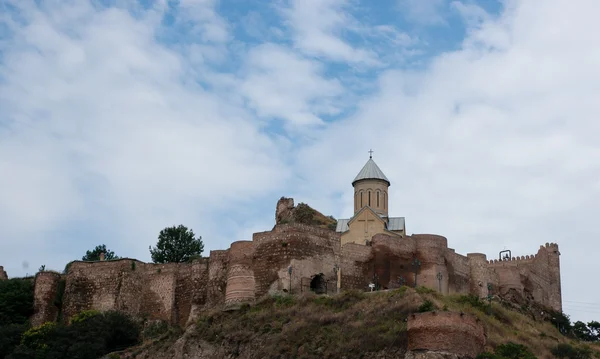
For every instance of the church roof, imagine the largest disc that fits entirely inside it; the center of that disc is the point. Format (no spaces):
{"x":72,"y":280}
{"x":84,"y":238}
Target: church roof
{"x":394,"y":224}
{"x":370,"y":171}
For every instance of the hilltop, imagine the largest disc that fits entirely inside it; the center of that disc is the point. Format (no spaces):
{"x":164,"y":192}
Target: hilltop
{"x":351,"y":325}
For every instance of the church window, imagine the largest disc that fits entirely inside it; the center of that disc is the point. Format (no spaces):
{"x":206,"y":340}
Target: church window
{"x":369,"y":194}
{"x":384,"y":200}
{"x":361,"y":199}
{"x":377,"y":198}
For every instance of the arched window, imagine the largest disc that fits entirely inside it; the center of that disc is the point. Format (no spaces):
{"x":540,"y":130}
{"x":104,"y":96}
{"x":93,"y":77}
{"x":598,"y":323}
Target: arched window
{"x":377,"y":198}
{"x":369,"y":194}
{"x":384,"y":200}
{"x":361,"y":199}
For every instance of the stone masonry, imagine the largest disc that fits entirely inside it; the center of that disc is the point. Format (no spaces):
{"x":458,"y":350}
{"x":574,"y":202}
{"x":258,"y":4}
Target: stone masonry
{"x":290,"y":257}
{"x":3,"y":275}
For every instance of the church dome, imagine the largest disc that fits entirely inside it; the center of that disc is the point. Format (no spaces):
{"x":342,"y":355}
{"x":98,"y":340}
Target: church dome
{"x":370,"y":171}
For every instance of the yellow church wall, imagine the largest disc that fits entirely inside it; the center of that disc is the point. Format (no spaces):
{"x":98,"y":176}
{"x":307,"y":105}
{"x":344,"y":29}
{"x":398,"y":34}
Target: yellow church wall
{"x":363,"y":227}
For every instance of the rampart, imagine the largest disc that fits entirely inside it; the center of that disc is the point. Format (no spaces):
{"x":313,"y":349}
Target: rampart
{"x":291,"y":257}
{"x":456,"y":333}
{"x":46,"y":297}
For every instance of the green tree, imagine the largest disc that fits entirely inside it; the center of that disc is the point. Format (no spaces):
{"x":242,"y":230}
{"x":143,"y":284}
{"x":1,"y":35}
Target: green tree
{"x":94,"y":255}
{"x":16,"y":301}
{"x":594,"y":327}
{"x":582,"y":332}
{"x":176,"y":244}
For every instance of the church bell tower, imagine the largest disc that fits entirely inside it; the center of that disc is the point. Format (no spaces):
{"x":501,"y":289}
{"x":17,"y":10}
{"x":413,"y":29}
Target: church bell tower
{"x":371,"y":188}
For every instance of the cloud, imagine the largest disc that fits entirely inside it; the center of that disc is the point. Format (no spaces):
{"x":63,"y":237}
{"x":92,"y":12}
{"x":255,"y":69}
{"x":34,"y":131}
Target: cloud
{"x":426,"y":12}
{"x":101,"y":124}
{"x":492,"y":145}
{"x":281,"y":84}
{"x":118,"y":121}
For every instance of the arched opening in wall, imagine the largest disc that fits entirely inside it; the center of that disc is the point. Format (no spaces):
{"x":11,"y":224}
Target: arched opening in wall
{"x":369,"y":194}
{"x":361,"y":199}
{"x":318,"y":284}
{"x":384,"y":200}
{"x":378,"y":199}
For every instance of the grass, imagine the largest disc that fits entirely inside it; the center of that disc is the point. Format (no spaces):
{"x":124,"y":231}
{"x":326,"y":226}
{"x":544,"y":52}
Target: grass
{"x":360,"y":324}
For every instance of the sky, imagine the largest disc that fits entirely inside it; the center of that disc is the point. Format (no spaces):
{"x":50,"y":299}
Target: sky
{"x":119,"y":118}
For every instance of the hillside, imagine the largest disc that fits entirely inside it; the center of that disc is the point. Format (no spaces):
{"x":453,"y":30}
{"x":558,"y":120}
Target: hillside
{"x":349,"y":325}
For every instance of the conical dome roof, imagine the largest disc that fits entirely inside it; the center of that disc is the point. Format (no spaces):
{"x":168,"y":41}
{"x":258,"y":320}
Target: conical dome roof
{"x":370,"y":171}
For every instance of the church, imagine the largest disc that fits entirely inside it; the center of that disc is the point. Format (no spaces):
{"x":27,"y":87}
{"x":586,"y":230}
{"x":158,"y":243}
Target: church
{"x":370,"y":208}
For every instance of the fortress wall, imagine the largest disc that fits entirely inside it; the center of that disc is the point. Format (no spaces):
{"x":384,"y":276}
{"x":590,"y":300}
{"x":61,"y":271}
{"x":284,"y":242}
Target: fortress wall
{"x":430,"y":251}
{"x":240,"y":275}
{"x":190,"y":289}
{"x":479,"y":275}
{"x":158,"y":296}
{"x":392,"y":257}
{"x":459,"y":273}
{"x":355,"y":266}
{"x":217,"y":277}
{"x":457,"y":333}
{"x":534,"y":276}
{"x":46,"y":287}
{"x":275,"y":251}
{"x":3,"y":275}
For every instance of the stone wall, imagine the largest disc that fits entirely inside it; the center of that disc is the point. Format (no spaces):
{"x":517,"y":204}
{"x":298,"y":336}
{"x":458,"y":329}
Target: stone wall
{"x":456,"y":333}
{"x":535,"y":277}
{"x":240,"y":274}
{"x":46,"y":298}
{"x":3,"y":275}
{"x":301,"y":245}
{"x":157,"y":291}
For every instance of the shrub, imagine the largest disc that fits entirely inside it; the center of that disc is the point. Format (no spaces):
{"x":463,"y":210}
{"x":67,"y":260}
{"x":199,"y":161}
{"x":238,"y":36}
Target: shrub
{"x":570,"y":352}
{"x":90,"y":335}
{"x":474,"y":301}
{"x":304,"y":214}
{"x":16,"y":301}
{"x":155,"y":329}
{"x":508,"y":351}
{"x":10,"y":337}
{"x":85,"y":315}
{"x":427,"y":306}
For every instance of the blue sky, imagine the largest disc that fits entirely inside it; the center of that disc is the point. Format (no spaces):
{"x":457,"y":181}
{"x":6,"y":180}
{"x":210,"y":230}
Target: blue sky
{"x":119,"y":118}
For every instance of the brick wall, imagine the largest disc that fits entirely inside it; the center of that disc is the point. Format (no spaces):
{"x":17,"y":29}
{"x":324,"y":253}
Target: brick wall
{"x":240,"y":274}
{"x":456,"y":333}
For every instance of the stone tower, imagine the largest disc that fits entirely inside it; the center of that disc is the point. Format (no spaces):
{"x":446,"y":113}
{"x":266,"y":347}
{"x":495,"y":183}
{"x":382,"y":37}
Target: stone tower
{"x":371,"y":189}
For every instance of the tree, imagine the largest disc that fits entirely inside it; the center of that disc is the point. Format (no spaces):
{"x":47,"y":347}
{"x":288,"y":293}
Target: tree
{"x":582,"y":332}
{"x":94,"y":255}
{"x":176,"y":244}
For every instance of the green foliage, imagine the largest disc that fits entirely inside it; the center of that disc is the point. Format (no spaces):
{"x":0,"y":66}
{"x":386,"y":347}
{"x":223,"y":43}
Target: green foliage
{"x":16,"y":301}
{"x":85,"y":315}
{"x":427,"y":306}
{"x":562,"y":322}
{"x":94,"y":254}
{"x":176,"y":244}
{"x":475,"y":302}
{"x":10,"y":337}
{"x":589,"y":332}
{"x":424,"y":290}
{"x":570,"y":352}
{"x":90,"y":335}
{"x":304,"y":214}
{"x":155,"y":329}
{"x":508,"y":351}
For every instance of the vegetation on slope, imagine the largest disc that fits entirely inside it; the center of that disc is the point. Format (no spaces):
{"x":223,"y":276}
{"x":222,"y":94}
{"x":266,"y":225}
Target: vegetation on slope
{"x":365,"y":325}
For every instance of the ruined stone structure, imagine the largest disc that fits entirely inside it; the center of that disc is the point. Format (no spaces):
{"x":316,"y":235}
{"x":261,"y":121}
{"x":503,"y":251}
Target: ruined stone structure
{"x":3,"y":275}
{"x":445,"y":332}
{"x":295,"y":257}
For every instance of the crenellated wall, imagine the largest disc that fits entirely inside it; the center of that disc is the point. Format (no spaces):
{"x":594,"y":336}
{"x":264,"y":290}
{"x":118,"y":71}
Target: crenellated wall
{"x":177,"y":292}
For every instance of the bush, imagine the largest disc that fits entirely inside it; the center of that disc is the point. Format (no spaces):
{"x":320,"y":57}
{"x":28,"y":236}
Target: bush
{"x":570,"y":352}
{"x":427,"y":306}
{"x":90,"y":335}
{"x":508,"y":351}
{"x":304,"y":214}
{"x":10,"y":337}
{"x":16,"y":301}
